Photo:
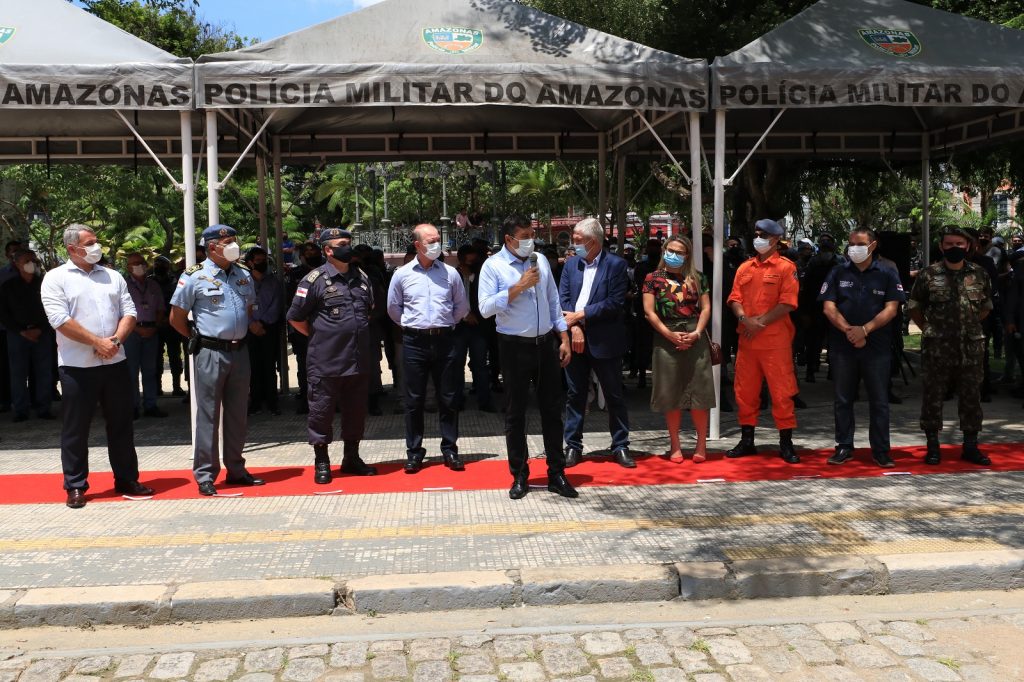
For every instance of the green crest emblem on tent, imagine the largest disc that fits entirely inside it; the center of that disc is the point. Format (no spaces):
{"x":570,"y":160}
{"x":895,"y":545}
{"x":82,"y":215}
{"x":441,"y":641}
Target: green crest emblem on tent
{"x":453,"y":40}
{"x":6,"y":33}
{"x":892,"y":42}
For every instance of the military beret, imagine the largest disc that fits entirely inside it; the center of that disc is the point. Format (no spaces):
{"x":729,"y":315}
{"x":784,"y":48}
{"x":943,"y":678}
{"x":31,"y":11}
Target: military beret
{"x":218,"y":232}
{"x":333,"y":233}
{"x":769,"y":227}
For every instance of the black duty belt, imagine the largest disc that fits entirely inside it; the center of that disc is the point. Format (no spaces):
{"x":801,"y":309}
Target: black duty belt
{"x":145,"y":325}
{"x":220,"y":344}
{"x":528,"y":340}
{"x":436,"y":331}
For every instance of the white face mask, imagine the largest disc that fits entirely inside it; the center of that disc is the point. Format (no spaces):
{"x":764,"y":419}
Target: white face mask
{"x":762,"y":246}
{"x":93,"y":253}
{"x":858,"y":254}
{"x":526,"y":248}
{"x":29,"y":268}
{"x":231,"y":252}
{"x":433,"y":251}
{"x":138,"y":270}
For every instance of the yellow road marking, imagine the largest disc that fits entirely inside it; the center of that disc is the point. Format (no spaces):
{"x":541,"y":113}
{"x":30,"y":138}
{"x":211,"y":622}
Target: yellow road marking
{"x":830,"y":524}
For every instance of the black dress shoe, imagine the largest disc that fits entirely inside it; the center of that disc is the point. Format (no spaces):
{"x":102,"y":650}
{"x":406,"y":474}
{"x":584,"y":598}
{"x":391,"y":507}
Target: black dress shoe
{"x":322,"y":473}
{"x":883,"y":460}
{"x":842,"y":456}
{"x":624,"y":459}
{"x":572,"y":457}
{"x":519,"y":488}
{"x":355,"y":466}
{"x":134,"y":488}
{"x":453,"y":462}
{"x":206,"y":489}
{"x":245,"y":479}
{"x":558,"y":483}
{"x":413,"y":465}
{"x":975,"y":456}
{"x":155,"y":412}
{"x":76,"y":498}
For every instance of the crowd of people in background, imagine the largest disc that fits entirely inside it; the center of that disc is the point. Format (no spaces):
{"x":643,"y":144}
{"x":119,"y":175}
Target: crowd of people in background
{"x":585,"y":319}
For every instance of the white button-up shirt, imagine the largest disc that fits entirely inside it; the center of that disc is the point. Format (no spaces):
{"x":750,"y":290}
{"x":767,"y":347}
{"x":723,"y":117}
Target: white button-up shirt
{"x":97,"y":300}
{"x":589,"y":273}
{"x":535,"y":312}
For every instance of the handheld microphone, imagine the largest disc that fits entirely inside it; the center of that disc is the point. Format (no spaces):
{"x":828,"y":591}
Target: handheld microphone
{"x":533,"y":259}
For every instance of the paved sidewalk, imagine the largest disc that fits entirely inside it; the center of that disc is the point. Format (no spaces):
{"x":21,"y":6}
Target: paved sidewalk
{"x":934,"y":639}
{"x":340,"y":537}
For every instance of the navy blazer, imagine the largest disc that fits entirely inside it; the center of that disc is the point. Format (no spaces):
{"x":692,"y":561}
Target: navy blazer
{"x":604,"y":327}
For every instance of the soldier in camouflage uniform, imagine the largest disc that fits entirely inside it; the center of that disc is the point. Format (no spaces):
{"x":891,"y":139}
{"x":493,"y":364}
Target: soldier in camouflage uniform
{"x":948,"y":302}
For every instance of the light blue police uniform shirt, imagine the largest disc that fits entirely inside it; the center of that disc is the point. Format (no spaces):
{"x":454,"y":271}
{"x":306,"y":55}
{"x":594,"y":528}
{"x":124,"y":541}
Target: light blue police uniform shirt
{"x":535,"y":312}
{"x":219,"y":300}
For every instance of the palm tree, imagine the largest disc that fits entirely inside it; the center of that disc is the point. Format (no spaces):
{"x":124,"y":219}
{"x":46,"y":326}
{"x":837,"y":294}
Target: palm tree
{"x":543,"y":185}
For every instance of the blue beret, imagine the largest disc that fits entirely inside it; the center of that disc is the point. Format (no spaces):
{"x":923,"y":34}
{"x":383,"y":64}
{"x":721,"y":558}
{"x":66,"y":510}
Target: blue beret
{"x":333,"y":233}
{"x":218,"y":232}
{"x":769,"y":227}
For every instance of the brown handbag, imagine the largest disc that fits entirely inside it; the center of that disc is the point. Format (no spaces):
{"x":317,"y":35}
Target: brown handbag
{"x":716,"y":350}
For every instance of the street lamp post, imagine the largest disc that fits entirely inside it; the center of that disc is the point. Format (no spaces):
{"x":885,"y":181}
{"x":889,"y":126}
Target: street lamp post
{"x":356,"y":224}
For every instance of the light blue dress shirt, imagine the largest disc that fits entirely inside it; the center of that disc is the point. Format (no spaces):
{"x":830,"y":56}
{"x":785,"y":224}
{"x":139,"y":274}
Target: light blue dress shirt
{"x":219,"y":301}
{"x":97,"y":300}
{"x":427,"y":298}
{"x":535,"y":312}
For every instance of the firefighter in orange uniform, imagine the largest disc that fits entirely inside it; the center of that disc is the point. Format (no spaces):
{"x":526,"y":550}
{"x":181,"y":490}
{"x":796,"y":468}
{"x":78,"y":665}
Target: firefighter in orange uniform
{"x":764,"y":293}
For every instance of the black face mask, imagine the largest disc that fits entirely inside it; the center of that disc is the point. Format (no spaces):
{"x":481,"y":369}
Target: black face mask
{"x":260,"y":267}
{"x":342,"y":253}
{"x":955,"y":254}
{"x":161,"y":271}
{"x":736,"y":251}
{"x":314,"y":261}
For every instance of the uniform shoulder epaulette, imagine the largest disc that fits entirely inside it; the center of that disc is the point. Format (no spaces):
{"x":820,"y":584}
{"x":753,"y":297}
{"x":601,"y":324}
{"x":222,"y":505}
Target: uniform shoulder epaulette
{"x":194,"y":269}
{"x":312,"y":276}
{"x":242,"y":266}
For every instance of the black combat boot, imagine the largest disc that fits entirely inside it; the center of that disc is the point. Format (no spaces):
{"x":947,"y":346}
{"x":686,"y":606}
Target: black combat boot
{"x":933,"y":456}
{"x":321,"y":465}
{"x":971,"y":453}
{"x":746,"y":445}
{"x":353,"y":464}
{"x":786,"y":449}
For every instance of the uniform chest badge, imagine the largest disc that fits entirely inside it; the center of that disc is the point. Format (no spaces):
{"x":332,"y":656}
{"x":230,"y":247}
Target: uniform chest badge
{"x":331,"y":289}
{"x":969,"y":280}
{"x":335,"y":311}
{"x":243,"y":282}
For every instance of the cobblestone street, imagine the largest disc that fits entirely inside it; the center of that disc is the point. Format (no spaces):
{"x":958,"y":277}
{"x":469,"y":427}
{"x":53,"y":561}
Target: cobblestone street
{"x":972,"y":645}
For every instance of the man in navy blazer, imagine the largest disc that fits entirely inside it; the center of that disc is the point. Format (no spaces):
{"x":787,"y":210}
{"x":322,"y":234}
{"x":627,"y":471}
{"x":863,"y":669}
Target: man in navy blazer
{"x":592,"y":292}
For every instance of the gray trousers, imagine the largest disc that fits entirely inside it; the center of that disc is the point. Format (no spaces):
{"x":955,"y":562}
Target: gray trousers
{"x":221,"y":386}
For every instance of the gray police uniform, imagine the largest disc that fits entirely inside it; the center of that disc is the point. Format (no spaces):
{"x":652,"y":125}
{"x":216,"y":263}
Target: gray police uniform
{"x":337,"y":307}
{"x":219,"y":302}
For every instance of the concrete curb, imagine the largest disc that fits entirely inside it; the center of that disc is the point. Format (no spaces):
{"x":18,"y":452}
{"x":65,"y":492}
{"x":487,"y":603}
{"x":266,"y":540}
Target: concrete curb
{"x":754,"y":579}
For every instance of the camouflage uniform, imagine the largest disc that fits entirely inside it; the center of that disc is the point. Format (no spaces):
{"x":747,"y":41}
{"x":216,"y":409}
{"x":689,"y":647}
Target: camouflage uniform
{"x":953,"y":342}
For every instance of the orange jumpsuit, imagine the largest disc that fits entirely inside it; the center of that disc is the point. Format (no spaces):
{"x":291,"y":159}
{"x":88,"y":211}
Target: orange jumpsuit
{"x":760,"y":286}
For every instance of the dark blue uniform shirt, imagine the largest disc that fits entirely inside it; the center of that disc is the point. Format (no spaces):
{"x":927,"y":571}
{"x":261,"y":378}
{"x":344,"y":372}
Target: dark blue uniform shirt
{"x":860,"y":296}
{"x":337,"y":307}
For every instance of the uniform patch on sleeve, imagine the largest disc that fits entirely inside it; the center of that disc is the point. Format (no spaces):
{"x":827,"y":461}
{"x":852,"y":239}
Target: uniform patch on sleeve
{"x":301,"y":292}
{"x":899,"y":287}
{"x":824,"y":287}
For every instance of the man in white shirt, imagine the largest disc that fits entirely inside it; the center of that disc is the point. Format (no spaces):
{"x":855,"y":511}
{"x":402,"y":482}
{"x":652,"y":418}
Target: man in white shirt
{"x":93,"y":313}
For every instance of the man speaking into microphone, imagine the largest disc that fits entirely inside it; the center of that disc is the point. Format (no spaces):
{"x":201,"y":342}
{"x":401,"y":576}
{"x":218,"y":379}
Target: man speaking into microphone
{"x":519,"y":291}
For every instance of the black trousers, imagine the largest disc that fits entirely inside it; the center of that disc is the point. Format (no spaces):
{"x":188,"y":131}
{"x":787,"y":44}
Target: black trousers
{"x":326,"y":394}
{"x":263,"y":354}
{"x":300,"y":347}
{"x":174,"y":343}
{"x":430,"y":358}
{"x":83,"y":388}
{"x":5,"y":374}
{"x":521,"y":364}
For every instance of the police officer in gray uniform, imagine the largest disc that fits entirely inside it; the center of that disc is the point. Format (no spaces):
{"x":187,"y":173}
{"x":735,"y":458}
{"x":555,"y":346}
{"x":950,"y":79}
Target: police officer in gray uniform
{"x":220,"y":294}
{"x":332,"y":307}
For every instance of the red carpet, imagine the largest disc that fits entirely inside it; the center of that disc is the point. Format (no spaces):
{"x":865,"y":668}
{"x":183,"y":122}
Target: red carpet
{"x":493,"y":475}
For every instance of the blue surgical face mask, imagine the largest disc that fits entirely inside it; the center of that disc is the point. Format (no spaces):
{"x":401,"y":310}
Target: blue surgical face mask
{"x":674,"y":260}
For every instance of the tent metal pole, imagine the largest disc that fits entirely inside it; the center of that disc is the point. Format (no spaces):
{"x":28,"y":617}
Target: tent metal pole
{"x":602,"y":179}
{"x":148,"y":149}
{"x":189,"y":228}
{"x":620,"y":200}
{"x":716,"y":284}
{"x":926,"y":181}
{"x":664,"y":147}
{"x":757,"y":144}
{"x":696,"y":209}
{"x":261,"y":186}
{"x":278,"y":239}
{"x":212,"y":172}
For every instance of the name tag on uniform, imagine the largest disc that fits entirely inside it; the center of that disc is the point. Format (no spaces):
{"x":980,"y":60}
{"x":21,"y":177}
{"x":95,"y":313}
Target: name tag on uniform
{"x":843,"y":284}
{"x":771,"y":278}
{"x":878,"y":292}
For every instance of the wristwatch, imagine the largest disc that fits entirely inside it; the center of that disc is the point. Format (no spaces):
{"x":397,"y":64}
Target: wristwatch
{"x":116,"y":341}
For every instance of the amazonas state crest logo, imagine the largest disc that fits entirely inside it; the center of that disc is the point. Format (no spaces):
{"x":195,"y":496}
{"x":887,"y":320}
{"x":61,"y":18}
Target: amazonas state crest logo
{"x":6,"y":33}
{"x":892,"y":42}
{"x":453,"y":40}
